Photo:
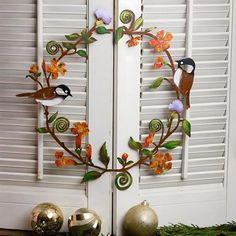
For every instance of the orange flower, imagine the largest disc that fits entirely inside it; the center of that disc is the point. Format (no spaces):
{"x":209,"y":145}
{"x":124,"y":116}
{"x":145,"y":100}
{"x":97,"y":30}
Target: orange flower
{"x":55,"y":69}
{"x":161,"y":163}
{"x":148,"y":140}
{"x":80,"y":129}
{"x":33,"y":69}
{"x":88,"y":151}
{"x":158,"y":63}
{"x":134,"y":41}
{"x":162,"y":42}
{"x":125,"y":156}
{"x":63,"y":161}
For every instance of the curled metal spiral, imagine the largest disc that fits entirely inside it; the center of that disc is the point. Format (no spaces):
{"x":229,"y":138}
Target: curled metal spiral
{"x":127,"y":16}
{"x":155,"y":125}
{"x":123,"y":181}
{"x":61,"y":124}
{"x":52,"y":47}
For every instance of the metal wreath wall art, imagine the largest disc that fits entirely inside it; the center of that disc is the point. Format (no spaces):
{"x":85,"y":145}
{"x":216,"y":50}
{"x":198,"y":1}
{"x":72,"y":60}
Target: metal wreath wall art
{"x":149,"y":151}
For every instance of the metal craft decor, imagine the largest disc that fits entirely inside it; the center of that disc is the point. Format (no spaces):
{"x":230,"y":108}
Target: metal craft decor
{"x":148,"y":151}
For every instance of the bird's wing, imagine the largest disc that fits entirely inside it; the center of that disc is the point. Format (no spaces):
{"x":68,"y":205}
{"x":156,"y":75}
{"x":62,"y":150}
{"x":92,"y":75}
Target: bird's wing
{"x":177,"y":76}
{"x":45,"y":93}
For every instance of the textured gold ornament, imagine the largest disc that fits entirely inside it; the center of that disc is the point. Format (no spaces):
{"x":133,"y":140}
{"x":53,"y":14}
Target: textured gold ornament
{"x":140,"y":220}
{"x":84,"y":222}
{"x":46,"y":219}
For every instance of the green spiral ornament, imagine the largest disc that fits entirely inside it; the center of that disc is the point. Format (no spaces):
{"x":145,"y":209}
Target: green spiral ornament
{"x":123,"y":181}
{"x":127,"y":16}
{"x":52,"y":47}
{"x":61,"y":124}
{"x":155,"y":125}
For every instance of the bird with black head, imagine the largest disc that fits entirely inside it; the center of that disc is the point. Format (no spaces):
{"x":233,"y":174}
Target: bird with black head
{"x":184,"y":76}
{"x":49,"y":96}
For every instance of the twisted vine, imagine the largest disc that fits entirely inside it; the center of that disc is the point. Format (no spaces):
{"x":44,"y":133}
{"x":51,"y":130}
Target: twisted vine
{"x":153,"y":158}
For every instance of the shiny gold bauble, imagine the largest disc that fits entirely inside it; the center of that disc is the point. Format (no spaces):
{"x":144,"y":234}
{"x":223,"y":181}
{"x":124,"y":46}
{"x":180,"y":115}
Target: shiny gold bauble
{"x":46,"y":219}
{"x":140,"y":220}
{"x":84,"y":222}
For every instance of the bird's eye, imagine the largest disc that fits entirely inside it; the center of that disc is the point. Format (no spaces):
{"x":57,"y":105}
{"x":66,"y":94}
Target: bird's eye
{"x":66,"y":91}
{"x":181,"y":63}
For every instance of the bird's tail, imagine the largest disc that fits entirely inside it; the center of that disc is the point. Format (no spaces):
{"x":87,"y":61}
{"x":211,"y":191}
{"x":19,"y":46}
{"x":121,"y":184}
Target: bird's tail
{"x":25,"y":95}
{"x":187,"y":101}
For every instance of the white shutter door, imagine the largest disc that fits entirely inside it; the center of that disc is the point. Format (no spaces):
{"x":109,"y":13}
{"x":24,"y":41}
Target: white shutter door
{"x":26,"y":26}
{"x":201,"y":30}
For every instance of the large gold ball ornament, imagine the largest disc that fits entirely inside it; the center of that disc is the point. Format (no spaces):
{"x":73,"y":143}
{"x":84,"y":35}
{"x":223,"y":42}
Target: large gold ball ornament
{"x":46,"y":219}
{"x":140,"y":220}
{"x":84,"y":222}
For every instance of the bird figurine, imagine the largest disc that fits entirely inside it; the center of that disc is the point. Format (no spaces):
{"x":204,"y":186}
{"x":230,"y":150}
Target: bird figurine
{"x":49,"y":96}
{"x":183,"y":77}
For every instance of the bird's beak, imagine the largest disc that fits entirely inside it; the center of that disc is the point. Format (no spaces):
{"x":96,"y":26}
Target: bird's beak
{"x":70,"y":95}
{"x":177,"y":61}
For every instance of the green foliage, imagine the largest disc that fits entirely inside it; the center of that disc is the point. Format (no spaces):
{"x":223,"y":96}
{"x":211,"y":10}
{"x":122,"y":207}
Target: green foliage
{"x":134,"y":144}
{"x":82,"y":53}
{"x":186,"y":126}
{"x":184,"y":230}
{"x":147,"y":153}
{"x":53,"y":117}
{"x":172,"y":144}
{"x":91,"y":175}
{"x":137,"y":23}
{"x":103,"y":155}
{"x":72,"y":37}
{"x":69,"y":46}
{"x":41,"y":130}
{"x":102,"y":30}
{"x":119,"y":34}
{"x":157,"y":82}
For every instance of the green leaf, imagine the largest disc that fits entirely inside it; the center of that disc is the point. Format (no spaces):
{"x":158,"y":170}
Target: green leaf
{"x":134,"y":144}
{"x":157,"y":82}
{"x":103,"y":155}
{"x":119,"y":34}
{"x":69,"y":46}
{"x":38,"y":74}
{"x":146,"y":152}
{"x":53,"y":117}
{"x":41,"y":130}
{"x":186,"y":126}
{"x":129,"y":163}
{"x":91,"y":40}
{"x":91,"y":175}
{"x":172,"y":144}
{"x":150,"y":29}
{"x":78,"y":151}
{"x":72,"y":37}
{"x":137,"y":24}
{"x":121,"y":161}
{"x":82,"y":53}
{"x":102,"y":30}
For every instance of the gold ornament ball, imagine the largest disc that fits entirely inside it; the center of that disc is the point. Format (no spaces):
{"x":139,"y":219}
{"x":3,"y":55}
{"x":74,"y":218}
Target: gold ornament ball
{"x":84,"y":222}
{"x":46,"y":218}
{"x":140,"y":220}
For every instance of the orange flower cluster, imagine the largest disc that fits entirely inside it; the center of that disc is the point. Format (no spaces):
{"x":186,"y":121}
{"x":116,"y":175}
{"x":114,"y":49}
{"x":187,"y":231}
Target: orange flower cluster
{"x":61,"y":161}
{"x":158,"y":63}
{"x":80,"y":129}
{"x":134,"y":41}
{"x":162,"y":42}
{"x":55,"y":69}
{"x":33,"y":69}
{"x":161,"y":163}
{"x":148,"y":140}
